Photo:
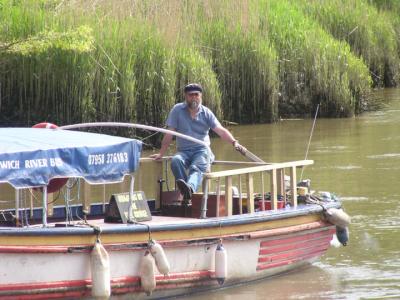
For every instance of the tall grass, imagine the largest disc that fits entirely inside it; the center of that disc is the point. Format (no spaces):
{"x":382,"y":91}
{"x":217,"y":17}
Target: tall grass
{"x":73,"y":61}
{"x":192,"y":66}
{"x":247,"y":71}
{"x":314,"y":67}
{"x":370,"y":34}
{"x":128,"y":74}
{"x":390,"y":10}
{"x":35,"y":84}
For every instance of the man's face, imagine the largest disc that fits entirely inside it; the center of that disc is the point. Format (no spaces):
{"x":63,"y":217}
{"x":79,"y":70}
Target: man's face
{"x":193,"y":99}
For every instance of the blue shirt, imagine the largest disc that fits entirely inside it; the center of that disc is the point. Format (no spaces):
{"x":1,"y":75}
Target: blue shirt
{"x":179,"y":118}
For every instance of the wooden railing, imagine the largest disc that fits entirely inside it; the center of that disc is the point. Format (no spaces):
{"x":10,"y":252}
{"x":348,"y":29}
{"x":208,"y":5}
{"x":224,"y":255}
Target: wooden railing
{"x":275,"y":171}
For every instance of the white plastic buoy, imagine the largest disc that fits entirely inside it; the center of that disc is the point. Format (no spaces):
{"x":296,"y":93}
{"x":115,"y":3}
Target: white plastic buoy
{"x":338,"y":217}
{"x":335,"y":242}
{"x":100,"y":267}
{"x":221,"y":263}
{"x":147,"y":276}
{"x":160,"y":258}
{"x":342,"y":235}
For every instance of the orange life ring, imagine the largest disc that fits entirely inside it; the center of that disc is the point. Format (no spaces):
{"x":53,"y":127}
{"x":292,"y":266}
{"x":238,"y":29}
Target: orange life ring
{"x":45,"y":125}
{"x":56,"y":183}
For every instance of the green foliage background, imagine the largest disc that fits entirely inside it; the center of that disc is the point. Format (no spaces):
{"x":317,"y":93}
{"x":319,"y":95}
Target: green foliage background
{"x":258,"y":60}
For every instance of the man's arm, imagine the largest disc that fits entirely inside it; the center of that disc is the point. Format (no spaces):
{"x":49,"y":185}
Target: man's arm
{"x":166,"y":141}
{"x":225,"y":135}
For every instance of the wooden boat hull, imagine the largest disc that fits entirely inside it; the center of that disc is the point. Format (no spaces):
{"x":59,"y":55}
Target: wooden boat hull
{"x":55,"y":262}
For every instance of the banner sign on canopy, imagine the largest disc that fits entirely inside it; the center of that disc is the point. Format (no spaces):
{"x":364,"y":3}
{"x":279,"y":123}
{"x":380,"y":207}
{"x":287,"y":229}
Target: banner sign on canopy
{"x":30,"y":157}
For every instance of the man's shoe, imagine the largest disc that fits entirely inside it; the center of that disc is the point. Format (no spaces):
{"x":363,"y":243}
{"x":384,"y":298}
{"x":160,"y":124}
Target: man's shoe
{"x":185,"y":189}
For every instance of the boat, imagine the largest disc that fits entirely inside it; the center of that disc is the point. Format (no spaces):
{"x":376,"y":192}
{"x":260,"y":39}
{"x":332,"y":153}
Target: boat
{"x":251,"y":220}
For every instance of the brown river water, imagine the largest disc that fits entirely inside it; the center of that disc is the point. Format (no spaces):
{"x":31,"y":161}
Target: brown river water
{"x":358,"y":159}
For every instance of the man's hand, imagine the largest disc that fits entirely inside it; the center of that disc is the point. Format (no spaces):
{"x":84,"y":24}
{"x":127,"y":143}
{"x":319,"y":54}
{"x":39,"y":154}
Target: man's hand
{"x":239,"y":148}
{"x":156,"y":156}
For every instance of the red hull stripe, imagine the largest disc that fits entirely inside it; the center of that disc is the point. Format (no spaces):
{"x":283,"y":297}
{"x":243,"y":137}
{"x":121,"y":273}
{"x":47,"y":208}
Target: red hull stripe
{"x":290,"y":261}
{"x":278,"y":255}
{"x":291,"y":229}
{"x":135,"y":289}
{"x":294,"y":245}
{"x":297,"y":237}
{"x":70,"y":295}
{"x":280,"y":251}
{"x":33,"y":249}
{"x":293,"y":254}
{"x":79,"y":288}
{"x":52,"y":285}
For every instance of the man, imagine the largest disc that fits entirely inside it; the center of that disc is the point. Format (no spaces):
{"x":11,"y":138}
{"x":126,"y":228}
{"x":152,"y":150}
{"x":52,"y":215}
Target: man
{"x":192,"y":160}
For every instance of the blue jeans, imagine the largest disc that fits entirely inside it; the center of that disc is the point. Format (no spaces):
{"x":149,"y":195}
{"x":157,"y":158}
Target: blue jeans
{"x":190,"y":165}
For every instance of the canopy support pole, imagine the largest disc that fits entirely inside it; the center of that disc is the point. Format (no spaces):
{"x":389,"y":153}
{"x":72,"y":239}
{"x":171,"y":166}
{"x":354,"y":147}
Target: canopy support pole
{"x":203,"y":212}
{"x":131,"y":187}
{"x":17,"y":207}
{"x":44,"y":206}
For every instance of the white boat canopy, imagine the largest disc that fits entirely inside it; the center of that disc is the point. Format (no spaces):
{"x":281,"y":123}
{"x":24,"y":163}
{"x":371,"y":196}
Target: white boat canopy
{"x":31,"y":157}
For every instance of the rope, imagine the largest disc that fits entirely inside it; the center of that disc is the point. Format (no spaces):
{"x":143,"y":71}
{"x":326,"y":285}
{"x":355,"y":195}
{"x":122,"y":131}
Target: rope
{"x":143,"y":224}
{"x":315,"y":200}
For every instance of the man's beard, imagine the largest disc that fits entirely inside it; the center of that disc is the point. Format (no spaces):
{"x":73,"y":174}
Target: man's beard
{"x":193,"y":105}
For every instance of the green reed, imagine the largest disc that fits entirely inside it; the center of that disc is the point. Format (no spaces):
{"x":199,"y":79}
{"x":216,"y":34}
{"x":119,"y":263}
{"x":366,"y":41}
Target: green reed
{"x":314,"y":67}
{"x":74,"y":61}
{"x":370,"y":34}
{"x":247,"y":72}
{"x":192,"y":66}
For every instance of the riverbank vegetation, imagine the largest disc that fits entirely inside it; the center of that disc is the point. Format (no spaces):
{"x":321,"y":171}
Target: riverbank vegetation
{"x":258,"y":60}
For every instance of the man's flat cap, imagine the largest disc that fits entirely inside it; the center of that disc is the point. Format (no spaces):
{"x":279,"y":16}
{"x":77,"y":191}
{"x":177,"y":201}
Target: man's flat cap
{"x":193,"y":87}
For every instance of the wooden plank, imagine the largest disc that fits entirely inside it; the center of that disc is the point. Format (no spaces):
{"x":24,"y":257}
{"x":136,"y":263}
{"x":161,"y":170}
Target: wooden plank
{"x":228,"y":195}
{"x":215,"y":162}
{"x":281,"y":183}
{"x":293,"y":186}
{"x":274,"y":193}
{"x":250,"y":193}
{"x":259,"y":168}
{"x":245,"y":163}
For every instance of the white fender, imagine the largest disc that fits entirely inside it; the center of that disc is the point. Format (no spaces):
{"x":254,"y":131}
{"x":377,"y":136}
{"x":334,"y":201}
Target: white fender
{"x":100,"y":268}
{"x":147,"y":276}
{"x":160,"y":258}
{"x":221,"y":264}
{"x":338,"y":217}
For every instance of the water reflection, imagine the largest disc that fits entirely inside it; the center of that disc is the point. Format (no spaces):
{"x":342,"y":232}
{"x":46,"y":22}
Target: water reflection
{"x":289,"y":286}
